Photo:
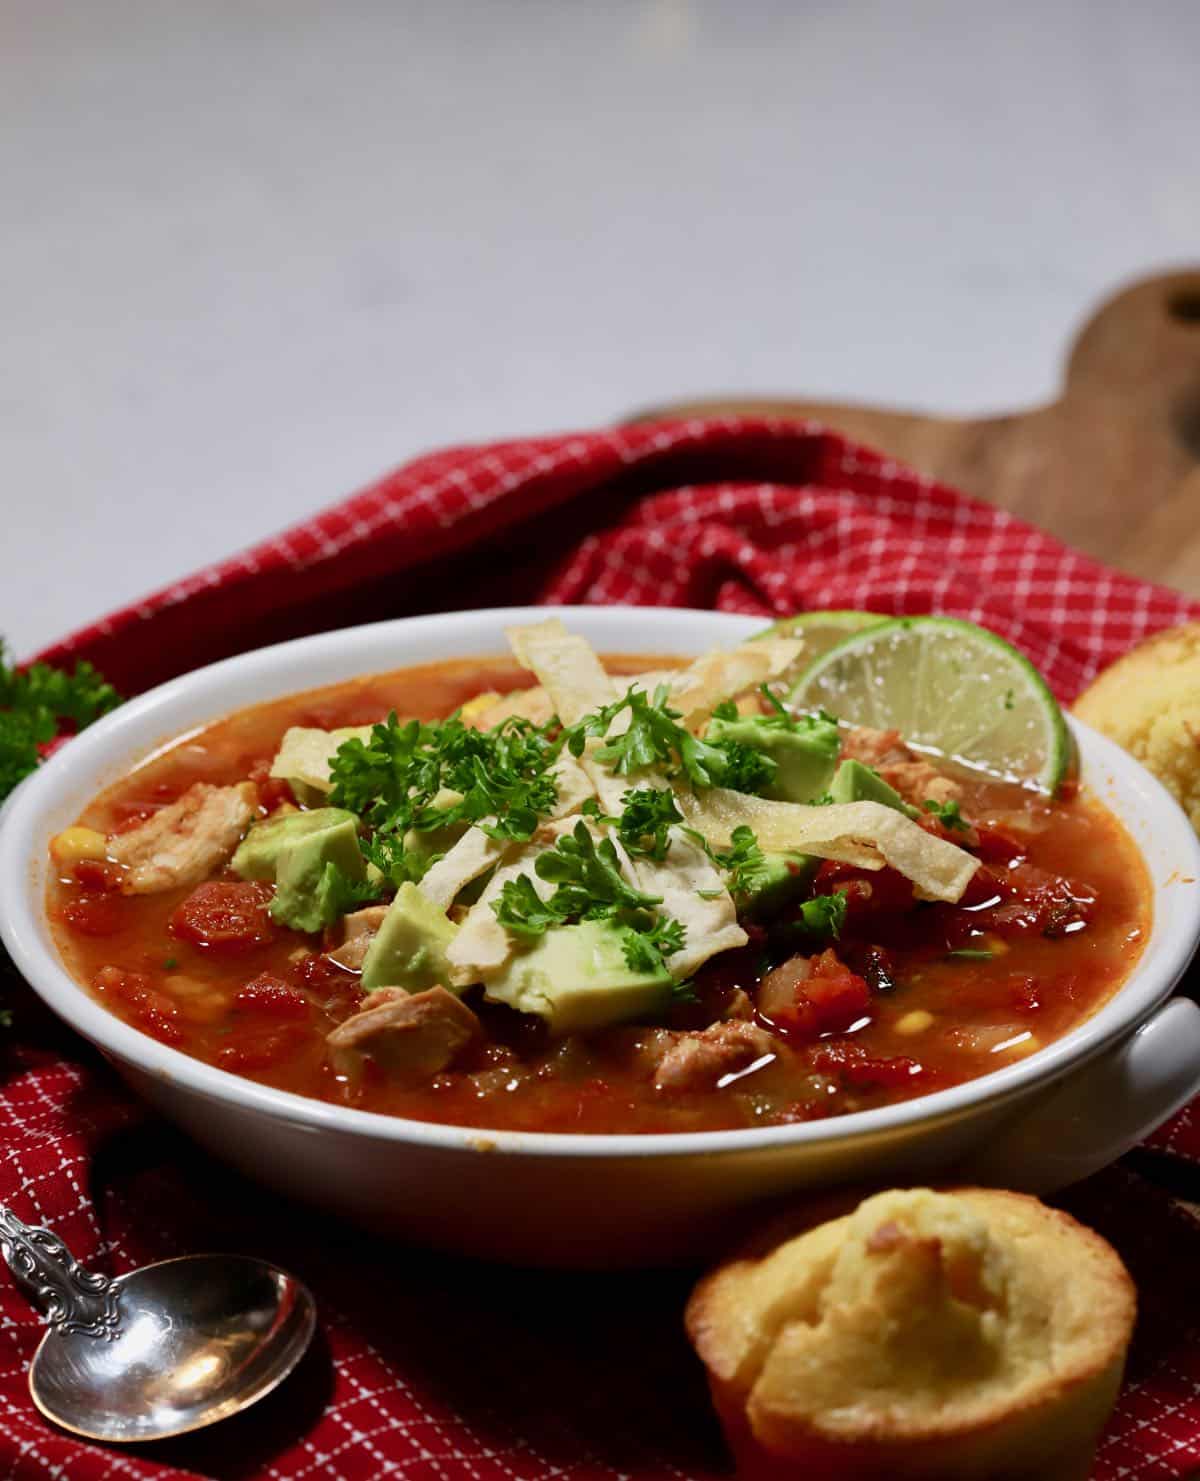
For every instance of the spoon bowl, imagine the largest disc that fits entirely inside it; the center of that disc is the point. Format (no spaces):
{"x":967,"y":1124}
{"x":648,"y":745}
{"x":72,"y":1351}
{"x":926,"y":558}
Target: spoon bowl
{"x":162,"y":1350}
{"x":197,"y":1339}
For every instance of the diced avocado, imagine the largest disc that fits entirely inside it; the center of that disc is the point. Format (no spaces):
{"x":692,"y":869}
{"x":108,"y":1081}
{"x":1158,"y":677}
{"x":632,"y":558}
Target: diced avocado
{"x":305,"y":873}
{"x":577,"y":978}
{"x":258,"y":854}
{"x":804,"y":750}
{"x":433,"y":842}
{"x":854,"y":782}
{"x":785,"y":878}
{"x":409,"y":949}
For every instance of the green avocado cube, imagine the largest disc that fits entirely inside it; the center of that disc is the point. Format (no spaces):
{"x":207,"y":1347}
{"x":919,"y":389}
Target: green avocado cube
{"x":804,"y":750}
{"x":258,"y":854}
{"x":409,"y":949}
{"x":787,"y":877}
{"x":306,"y":867}
{"x":577,"y":978}
{"x":854,"y":782}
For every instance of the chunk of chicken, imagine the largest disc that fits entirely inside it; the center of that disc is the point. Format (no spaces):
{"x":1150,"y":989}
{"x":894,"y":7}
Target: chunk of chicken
{"x":412,"y":1036}
{"x":358,"y":931}
{"x":697,"y":1061}
{"x":916,"y":779}
{"x":184,"y":842}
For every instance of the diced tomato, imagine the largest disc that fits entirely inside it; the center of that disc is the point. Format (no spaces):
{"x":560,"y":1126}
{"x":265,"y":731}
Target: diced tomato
{"x":855,"y":1066}
{"x":827,"y":1000}
{"x":269,"y":997}
{"x":261,"y":1049}
{"x":995,"y":846}
{"x":882,"y":892}
{"x":94,"y":915}
{"x":225,"y":916}
{"x":273,"y":791}
{"x":1038,"y":901}
{"x":98,"y":874}
{"x":145,"y":1007}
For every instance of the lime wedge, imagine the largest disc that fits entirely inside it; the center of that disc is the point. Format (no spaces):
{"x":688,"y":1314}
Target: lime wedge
{"x":951,"y":689}
{"x":820,"y":630}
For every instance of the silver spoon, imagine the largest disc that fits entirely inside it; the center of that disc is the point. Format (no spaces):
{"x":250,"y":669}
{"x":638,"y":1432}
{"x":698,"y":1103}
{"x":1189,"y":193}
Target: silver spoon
{"x":162,"y":1350}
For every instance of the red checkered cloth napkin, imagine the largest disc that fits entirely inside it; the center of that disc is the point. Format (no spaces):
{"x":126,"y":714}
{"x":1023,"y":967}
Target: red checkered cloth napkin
{"x":431,"y":1368}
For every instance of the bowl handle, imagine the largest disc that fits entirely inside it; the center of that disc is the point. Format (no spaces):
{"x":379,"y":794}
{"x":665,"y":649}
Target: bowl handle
{"x":1100,"y":1112}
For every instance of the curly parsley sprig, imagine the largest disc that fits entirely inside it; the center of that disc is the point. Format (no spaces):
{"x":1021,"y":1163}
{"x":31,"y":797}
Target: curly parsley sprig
{"x":419,"y":776}
{"x":34,"y":702}
{"x":653,"y":738}
{"x":589,"y":885}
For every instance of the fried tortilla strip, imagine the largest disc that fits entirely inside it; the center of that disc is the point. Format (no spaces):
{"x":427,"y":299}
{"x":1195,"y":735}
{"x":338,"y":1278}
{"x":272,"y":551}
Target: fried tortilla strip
{"x":567,"y":667}
{"x":725,"y":673}
{"x":865,"y":834}
{"x":304,"y":756}
{"x":476,"y":852}
{"x":693,"y":893}
{"x":482,"y":945}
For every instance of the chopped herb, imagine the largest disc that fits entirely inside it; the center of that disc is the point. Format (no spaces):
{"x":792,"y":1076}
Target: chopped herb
{"x":972,"y":954}
{"x":340,"y":894}
{"x":647,"y":816}
{"x":823,"y":915}
{"x":170,"y":963}
{"x":34,"y":702}
{"x":645,"y":950}
{"x":710,"y":894}
{"x":654,"y":739}
{"x":521,"y":912}
{"x":1009,"y":701}
{"x":420,"y":777}
{"x":589,"y":886}
{"x":744,"y":861}
{"x":684,"y":993}
{"x":948,"y":814}
{"x":726,"y":710}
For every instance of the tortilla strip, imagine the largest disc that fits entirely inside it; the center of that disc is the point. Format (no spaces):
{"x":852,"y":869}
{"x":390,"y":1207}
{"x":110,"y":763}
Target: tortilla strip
{"x":865,"y":834}
{"x":567,"y":667}
{"x":476,"y":852}
{"x":482,"y":945}
{"x":725,"y":673}
{"x":304,"y":755}
{"x":710,"y":924}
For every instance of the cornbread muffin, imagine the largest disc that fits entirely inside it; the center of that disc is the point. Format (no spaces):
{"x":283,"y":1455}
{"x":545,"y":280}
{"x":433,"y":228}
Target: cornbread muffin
{"x":1149,"y":703}
{"x":933,"y":1335}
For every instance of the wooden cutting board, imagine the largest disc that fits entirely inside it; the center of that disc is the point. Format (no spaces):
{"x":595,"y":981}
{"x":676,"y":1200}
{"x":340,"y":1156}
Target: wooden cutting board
{"x":1112,"y":467}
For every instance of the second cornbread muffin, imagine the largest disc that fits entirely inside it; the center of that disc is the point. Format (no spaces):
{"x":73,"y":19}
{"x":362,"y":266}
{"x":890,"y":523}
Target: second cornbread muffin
{"x":1149,"y":703}
{"x":935,"y":1335}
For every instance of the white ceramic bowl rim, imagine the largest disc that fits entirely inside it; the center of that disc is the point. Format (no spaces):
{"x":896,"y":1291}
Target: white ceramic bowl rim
{"x":97,"y":756}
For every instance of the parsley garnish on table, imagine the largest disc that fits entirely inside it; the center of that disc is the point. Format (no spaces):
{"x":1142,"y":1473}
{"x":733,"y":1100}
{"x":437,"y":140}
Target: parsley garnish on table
{"x":34,"y":704}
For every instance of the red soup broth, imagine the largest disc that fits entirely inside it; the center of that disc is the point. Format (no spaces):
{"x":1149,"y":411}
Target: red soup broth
{"x":913,"y":998}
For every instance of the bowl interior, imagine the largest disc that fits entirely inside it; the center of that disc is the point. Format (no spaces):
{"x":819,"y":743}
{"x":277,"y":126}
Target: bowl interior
{"x":53,"y":797}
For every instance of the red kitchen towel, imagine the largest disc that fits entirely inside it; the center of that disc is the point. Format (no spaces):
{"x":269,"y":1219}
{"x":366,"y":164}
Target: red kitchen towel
{"x":433,"y":1368}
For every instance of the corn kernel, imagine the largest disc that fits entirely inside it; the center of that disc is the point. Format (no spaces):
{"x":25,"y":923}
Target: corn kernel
{"x":996,"y":945}
{"x":72,"y":845}
{"x":915,"y":1022}
{"x":480,"y":705}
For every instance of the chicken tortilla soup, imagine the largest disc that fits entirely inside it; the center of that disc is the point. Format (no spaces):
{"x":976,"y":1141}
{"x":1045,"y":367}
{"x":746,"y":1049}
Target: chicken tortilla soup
{"x":554,"y":893}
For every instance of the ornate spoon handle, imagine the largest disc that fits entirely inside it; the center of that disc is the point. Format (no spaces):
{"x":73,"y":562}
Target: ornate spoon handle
{"x":70,"y":1297}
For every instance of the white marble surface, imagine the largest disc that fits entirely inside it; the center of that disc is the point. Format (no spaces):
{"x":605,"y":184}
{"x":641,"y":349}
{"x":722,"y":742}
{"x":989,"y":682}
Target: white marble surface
{"x":256,"y":251}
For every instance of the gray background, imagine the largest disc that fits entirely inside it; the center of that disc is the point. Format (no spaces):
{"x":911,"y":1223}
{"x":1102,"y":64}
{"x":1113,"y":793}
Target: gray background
{"x":254,"y":252}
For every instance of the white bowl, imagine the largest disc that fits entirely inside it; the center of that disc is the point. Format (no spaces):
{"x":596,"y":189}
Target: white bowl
{"x":571,"y":1199}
